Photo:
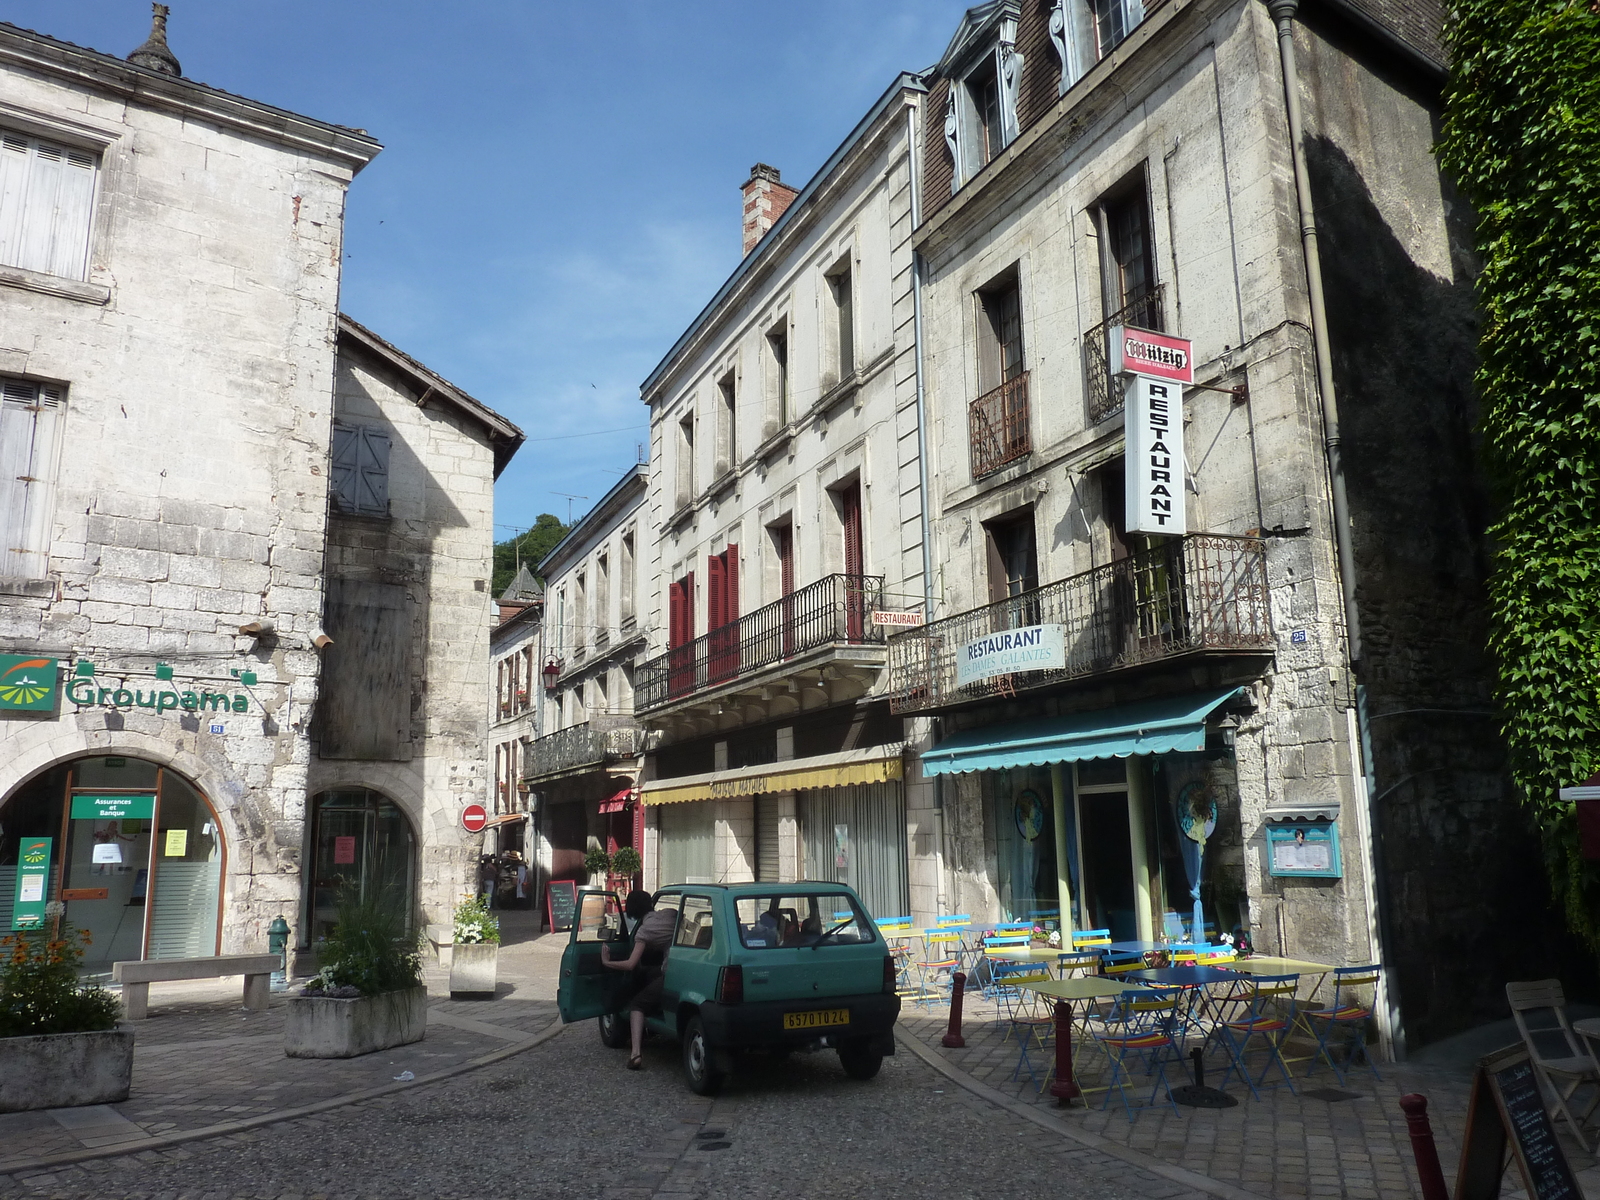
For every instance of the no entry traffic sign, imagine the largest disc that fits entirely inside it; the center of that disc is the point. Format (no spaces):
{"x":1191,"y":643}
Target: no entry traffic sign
{"x":474,"y":817}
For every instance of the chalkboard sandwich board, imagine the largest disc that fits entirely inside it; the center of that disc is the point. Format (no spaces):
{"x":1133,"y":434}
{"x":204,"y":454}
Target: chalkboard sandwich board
{"x":561,"y":901}
{"x":1507,"y":1109}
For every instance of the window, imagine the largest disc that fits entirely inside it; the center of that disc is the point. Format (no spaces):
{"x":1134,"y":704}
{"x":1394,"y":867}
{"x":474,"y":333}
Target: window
{"x":686,"y":488}
{"x":580,"y":612}
{"x":680,"y":636}
{"x":1131,"y":295}
{"x":602,"y":599}
{"x":1013,"y":563}
{"x":983,"y":98}
{"x":695,"y":926}
{"x":778,"y":378}
{"x":722,"y":614}
{"x":1130,"y":267}
{"x":46,"y":205}
{"x":1113,"y":21}
{"x":358,"y":482}
{"x":600,"y":704}
{"x":841,"y":316}
{"x":30,"y":431}
{"x":727,"y":412}
{"x":999,"y":335}
{"x":769,"y":922}
{"x":780,"y":579}
{"x":847,"y":500}
{"x":627,"y":582}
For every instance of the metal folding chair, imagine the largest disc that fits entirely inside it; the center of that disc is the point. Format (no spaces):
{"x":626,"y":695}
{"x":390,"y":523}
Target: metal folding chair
{"x":1141,"y":1026}
{"x":1349,"y":1015}
{"x":1268,"y":1014}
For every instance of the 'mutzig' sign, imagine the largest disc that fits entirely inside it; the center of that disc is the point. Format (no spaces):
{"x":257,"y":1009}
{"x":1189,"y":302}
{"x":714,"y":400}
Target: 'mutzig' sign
{"x":1153,"y":414}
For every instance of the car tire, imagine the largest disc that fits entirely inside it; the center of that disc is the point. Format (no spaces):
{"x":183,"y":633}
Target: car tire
{"x":703,"y":1078}
{"x":614,"y":1031}
{"x":859,"y":1060}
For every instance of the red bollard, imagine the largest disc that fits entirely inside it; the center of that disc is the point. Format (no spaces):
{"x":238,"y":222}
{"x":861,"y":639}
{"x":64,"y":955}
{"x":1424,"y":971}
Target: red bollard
{"x":1065,"y":1088}
{"x":952,"y":1039}
{"x":1427,"y":1154}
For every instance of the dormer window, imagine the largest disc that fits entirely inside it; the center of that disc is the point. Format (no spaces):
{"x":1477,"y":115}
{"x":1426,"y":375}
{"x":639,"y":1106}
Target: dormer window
{"x":981,"y":113}
{"x":1085,"y":31}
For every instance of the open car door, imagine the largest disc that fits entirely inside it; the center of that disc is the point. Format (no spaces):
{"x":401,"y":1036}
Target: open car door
{"x":587,"y":988}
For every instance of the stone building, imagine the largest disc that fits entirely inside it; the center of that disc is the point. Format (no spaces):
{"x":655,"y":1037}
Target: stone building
{"x":515,"y":657}
{"x":216,"y":492}
{"x":1100,"y":167}
{"x":786,"y":491}
{"x":582,"y":775}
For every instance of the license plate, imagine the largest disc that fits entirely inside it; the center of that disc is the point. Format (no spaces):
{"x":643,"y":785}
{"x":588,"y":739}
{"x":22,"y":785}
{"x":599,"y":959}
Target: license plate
{"x":814,"y":1020}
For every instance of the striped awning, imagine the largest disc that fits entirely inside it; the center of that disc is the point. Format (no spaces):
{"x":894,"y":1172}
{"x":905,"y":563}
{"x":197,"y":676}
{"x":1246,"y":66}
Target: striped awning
{"x":876,"y":764}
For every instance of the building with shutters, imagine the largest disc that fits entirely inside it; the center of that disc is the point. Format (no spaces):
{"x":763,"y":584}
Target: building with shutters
{"x":1275,"y":713}
{"x":786,"y":497}
{"x":581,"y":775}
{"x":515,"y":657}
{"x":243,"y":608}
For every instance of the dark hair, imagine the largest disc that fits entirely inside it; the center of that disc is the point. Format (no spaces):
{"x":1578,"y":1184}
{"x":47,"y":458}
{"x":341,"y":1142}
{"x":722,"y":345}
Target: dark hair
{"x":638,"y":903}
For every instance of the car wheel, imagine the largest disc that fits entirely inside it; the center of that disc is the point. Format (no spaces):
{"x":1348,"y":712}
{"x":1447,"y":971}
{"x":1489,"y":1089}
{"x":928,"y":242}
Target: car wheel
{"x":703,"y":1078}
{"x":859,"y":1060}
{"x":614,"y":1030}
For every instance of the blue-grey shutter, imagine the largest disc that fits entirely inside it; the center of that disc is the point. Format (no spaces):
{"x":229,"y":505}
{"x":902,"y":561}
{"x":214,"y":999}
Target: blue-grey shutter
{"x":373,"y":489}
{"x":46,"y":205}
{"x":342,"y":468}
{"x":30,"y":427}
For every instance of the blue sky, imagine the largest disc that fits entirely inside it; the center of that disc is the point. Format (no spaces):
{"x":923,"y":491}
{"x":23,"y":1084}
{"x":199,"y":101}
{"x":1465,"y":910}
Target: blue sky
{"x":558,"y":193}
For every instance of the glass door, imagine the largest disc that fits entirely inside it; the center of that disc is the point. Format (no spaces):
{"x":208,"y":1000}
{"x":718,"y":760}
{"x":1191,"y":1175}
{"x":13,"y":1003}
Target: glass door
{"x":1105,"y":848}
{"x":107,"y":837}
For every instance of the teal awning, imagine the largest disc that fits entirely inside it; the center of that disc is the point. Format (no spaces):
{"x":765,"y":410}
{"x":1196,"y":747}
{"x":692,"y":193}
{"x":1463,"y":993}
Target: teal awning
{"x":1153,"y":727}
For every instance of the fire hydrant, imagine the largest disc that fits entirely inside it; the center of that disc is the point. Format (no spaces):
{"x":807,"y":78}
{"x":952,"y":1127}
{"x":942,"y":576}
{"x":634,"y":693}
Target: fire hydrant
{"x":278,"y":943}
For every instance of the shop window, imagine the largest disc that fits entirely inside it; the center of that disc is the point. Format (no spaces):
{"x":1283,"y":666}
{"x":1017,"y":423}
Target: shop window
{"x":135,"y":853}
{"x":46,"y":205}
{"x":360,"y":840}
{"x":31,"y":416}
{"x":358,"y":473}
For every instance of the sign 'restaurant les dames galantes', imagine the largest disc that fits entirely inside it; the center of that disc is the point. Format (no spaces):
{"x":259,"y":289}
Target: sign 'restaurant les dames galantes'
{"x":1031,"y":648}
{"x":1160,"y":365}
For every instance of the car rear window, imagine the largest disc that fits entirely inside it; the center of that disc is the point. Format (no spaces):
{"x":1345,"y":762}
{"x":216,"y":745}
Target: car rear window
{"x":775,"y":921}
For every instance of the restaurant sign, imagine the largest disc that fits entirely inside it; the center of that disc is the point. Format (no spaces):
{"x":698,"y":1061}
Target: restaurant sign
{"x":1154,"y":463}
{"x":1031,"y":648}
{"x":1156,"y":355}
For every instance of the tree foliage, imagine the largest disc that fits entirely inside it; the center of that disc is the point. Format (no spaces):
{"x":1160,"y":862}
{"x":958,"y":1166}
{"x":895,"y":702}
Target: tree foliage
{"x":1521,"y":135}
{"x":529,"y":548}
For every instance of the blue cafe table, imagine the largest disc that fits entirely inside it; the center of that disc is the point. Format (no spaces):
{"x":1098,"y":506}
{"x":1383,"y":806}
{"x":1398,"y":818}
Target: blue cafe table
{"x":1186,"y":977}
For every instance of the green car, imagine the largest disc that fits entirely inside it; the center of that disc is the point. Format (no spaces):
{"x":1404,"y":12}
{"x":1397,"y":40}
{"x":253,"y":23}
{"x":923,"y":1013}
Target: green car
{"x":754,"y":966}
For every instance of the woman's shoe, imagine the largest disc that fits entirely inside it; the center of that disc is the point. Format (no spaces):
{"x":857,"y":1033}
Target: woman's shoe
{"x":636,"y":1063}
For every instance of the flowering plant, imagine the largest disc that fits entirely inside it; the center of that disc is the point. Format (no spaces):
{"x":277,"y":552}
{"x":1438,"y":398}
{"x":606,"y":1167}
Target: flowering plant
{"x":475,"y":924}
{"x":39,"y":990}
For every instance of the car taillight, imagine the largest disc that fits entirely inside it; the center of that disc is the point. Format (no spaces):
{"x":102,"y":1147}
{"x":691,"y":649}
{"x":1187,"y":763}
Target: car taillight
{"x":730,"y":985}
{"x":890,"y":975}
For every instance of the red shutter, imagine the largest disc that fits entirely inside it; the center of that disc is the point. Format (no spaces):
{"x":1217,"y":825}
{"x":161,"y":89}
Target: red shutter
{"x":730,"y":583}
{"x":786,"y":559}
{"x":850,"y":502}
{"x":716,"y":615}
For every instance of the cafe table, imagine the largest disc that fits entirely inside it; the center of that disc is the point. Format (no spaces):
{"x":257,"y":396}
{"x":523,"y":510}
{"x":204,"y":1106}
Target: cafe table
{"x":1190,"y":977}
{"x":1064,"y":991}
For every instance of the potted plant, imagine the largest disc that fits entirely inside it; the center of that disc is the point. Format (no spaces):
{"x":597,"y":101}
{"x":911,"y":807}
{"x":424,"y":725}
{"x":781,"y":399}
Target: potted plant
{"x":369,"y":995}
{"x":625,"y":867}
{"x":60,"y":1043}
{"x":477,"y":949}
{"x":598,"y":863}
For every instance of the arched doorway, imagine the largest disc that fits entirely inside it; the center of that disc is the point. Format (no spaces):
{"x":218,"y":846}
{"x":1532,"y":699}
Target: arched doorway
{"x":132,"y":848}
{"x":359,"y":837}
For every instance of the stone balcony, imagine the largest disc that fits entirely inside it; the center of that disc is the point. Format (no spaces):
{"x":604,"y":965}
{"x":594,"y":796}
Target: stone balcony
{"x":587,"y":747}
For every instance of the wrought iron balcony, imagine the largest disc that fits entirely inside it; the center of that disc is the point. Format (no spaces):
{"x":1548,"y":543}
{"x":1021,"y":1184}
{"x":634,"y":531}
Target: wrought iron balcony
{"x":584,"y":747}
{"x":1184,"y":596}
{"x":998,"y":426}
{"x":833,"y":611}
{"x":1105,"y":397}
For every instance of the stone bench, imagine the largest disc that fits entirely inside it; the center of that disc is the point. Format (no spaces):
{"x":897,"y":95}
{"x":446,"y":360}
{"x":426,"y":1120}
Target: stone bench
{"x":137,"y":975}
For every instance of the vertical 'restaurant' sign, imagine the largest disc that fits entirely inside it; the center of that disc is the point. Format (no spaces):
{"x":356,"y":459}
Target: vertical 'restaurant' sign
{"x":1160,"y":365}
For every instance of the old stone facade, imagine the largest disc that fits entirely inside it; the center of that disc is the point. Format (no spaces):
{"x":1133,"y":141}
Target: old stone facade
{"x":785,"y":485}
{"x":176,"y":376}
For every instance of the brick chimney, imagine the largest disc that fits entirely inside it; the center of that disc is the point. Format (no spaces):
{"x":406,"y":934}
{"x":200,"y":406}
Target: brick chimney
{"x":765,"y":199}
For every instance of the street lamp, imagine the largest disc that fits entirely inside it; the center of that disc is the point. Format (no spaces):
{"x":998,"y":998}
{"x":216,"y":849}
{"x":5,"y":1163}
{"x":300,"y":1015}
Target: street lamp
{"x":552,"y":672}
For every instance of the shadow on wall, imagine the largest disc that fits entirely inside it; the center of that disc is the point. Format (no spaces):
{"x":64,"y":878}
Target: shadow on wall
{"x":1469,"y":906}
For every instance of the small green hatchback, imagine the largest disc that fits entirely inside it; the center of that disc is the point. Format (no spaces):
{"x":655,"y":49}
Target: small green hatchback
{"x":755,"y":966}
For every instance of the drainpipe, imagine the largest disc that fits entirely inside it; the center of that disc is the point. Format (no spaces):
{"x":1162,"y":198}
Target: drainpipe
{"x":922,"y":410}
{"x":1391,"y":1028}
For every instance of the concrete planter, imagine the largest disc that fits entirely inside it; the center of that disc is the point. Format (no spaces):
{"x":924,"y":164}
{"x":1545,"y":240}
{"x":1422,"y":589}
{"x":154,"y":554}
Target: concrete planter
{"x":319,"y":1027}
{"x":472,"y":970}
{"x":62,"y":1070}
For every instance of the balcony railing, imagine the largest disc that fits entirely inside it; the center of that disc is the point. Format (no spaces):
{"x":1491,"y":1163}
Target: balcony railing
{"x":998,"y":428}
{"x":1105,"y":396}
{"x":602,"y":740}
{"x":832,"y":611}
{"x":1185,"y":595}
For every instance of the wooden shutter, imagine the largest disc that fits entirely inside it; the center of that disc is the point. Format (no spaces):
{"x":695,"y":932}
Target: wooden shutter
{"x":46,"y":205}
{"x":730,"y":583}
{"x":342,"y":468}
{"x":14,"y":160}
{"x":30,"y":429}
{"x":715,"y":610}
{"x":786,"y":559}
{"x":364,"y":709}
{"x":850,"y":512}
{"x":373,"y":469}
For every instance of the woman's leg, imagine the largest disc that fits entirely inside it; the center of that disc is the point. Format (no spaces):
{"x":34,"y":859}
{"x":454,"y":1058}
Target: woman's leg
{"x":636,"y":1027}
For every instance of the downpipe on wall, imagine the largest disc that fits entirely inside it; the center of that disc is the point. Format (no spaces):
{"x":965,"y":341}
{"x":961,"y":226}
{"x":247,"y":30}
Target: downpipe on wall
{"x":1391,"y":1027}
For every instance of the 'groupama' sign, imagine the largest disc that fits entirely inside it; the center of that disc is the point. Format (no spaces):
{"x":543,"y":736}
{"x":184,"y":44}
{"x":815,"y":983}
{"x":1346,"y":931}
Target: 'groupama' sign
{"x":85,"y":694}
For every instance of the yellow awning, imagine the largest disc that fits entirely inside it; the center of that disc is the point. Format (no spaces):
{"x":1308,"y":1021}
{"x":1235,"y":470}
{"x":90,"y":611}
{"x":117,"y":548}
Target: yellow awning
{"x":794,"y":776}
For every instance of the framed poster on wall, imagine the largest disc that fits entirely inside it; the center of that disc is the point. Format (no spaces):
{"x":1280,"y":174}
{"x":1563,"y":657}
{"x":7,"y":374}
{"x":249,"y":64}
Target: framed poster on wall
{"x":1304,"y":848}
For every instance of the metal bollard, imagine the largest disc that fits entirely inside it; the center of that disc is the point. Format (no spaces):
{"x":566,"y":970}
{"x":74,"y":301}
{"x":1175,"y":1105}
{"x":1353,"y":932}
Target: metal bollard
{"x":952,"y":1039}
{"x":1427,"y":1154}
{"x":1065,"y":1088}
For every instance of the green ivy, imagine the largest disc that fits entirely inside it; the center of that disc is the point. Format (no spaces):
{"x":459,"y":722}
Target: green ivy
{"x":1521,"y":136}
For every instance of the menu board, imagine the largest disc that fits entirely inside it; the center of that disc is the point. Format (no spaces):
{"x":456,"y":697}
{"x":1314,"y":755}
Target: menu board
{"x":1506,"y":1105}
{"x":561,"y":902}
